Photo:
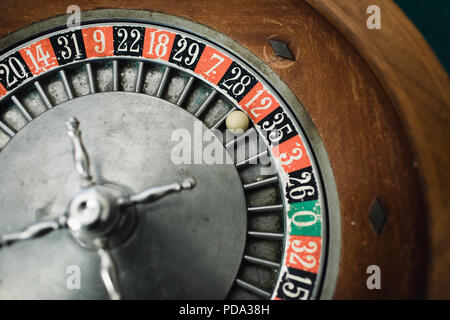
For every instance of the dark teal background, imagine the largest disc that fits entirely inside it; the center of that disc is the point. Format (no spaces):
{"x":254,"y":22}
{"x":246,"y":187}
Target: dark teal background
{"x":432,"y":18}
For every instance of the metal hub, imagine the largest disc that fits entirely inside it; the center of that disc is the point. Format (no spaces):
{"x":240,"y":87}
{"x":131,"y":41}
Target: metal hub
{"x":95,"y":218}
{"x":155,"y":256}
{"x":92,"y":211}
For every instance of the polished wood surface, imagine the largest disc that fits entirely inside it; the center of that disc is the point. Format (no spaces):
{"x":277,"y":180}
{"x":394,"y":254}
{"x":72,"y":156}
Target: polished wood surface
{"x":368,"y":149}
{"x":419,"y":88}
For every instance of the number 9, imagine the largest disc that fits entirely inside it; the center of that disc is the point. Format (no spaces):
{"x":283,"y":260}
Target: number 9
{"x":99,"y":37}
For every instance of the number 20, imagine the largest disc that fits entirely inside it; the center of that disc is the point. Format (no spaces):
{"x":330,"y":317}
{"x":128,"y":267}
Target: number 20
{"x":11,"y":79}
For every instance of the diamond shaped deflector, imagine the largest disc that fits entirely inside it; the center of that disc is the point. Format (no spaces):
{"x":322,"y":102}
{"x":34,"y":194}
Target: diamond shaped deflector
{"x":377,"y":216}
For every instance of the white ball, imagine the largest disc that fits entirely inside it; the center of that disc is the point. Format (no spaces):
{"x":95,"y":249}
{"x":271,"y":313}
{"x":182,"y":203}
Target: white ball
{"x":237,"y":121}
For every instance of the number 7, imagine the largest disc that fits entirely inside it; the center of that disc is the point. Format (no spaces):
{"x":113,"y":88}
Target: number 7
{"x":215,"y":56}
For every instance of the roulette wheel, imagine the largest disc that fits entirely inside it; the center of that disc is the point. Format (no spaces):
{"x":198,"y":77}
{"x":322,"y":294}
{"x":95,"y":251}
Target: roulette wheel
{"x":335,"y":188}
